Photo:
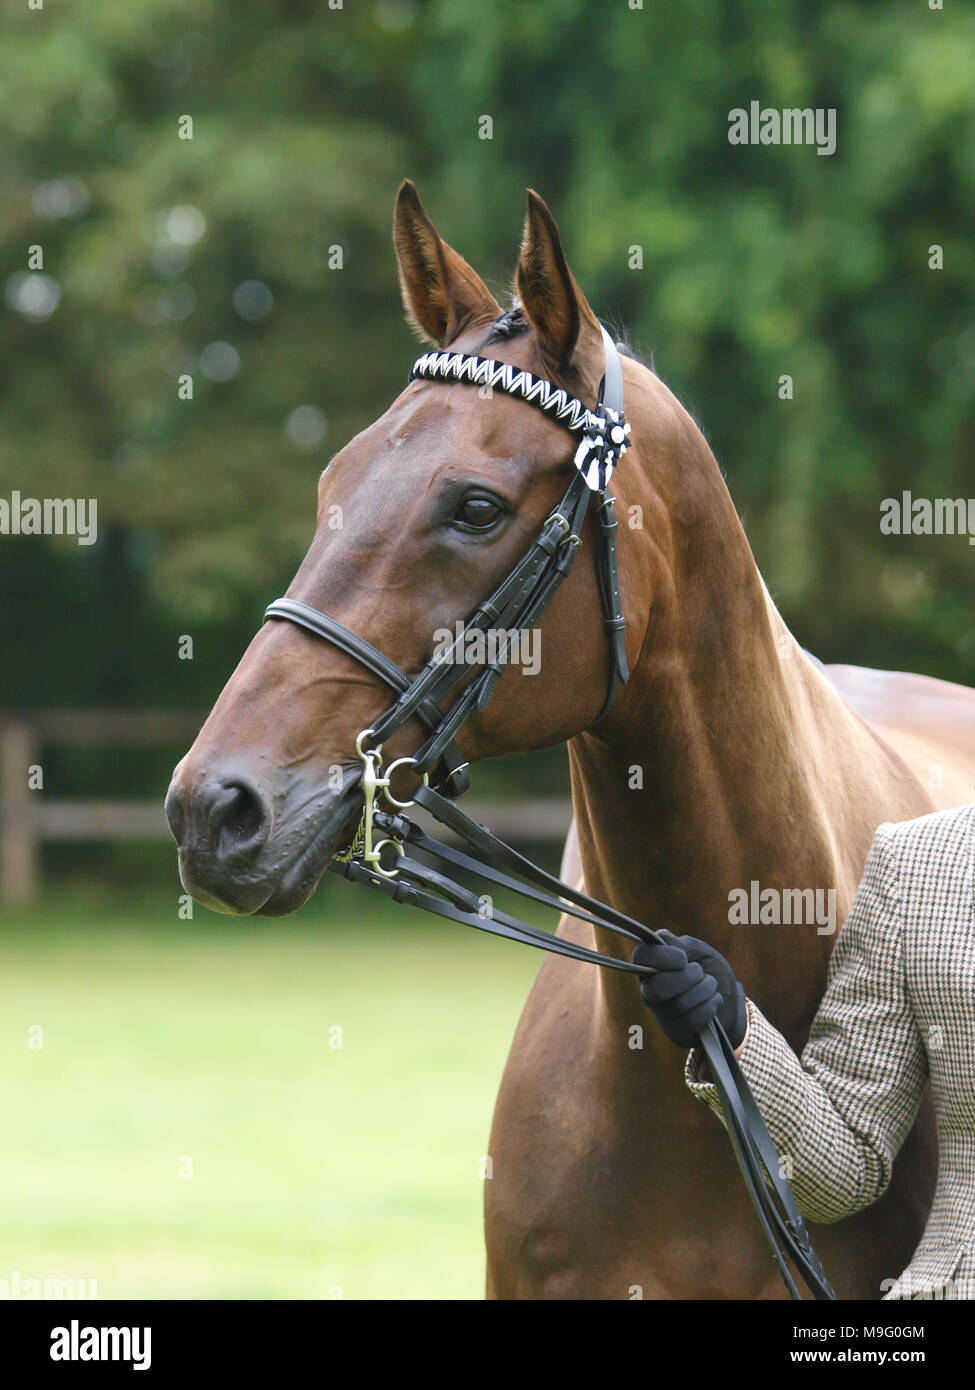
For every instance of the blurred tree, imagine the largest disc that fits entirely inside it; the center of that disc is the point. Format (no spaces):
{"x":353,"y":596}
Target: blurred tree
{"x":255,"y":258}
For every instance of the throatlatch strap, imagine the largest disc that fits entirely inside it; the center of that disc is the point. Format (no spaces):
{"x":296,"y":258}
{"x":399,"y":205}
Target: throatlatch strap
{"x":607,"y":573}
{"x":607,"y":565}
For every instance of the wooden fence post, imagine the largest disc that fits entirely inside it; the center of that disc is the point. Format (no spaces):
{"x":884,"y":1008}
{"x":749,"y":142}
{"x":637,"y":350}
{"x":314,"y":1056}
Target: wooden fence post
{"x":18,"y":828}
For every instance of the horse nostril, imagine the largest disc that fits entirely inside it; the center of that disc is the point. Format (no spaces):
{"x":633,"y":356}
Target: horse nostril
{"x":175,"y":812}
{"x":238,"y":820}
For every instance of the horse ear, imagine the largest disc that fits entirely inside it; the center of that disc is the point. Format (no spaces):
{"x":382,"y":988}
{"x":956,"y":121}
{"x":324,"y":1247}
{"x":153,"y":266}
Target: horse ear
{"x":442,"y":295}
{"x":564,"y":322}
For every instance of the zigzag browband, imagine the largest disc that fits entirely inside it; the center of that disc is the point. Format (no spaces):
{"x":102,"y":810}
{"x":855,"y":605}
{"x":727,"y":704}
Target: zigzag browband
{"x":513,"y":381}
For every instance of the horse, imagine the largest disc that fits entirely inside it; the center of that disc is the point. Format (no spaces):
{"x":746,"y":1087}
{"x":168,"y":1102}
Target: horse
{"x":730,"y":757}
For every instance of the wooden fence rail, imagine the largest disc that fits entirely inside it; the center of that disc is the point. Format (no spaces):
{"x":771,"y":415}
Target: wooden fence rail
{"x":29,"y":817}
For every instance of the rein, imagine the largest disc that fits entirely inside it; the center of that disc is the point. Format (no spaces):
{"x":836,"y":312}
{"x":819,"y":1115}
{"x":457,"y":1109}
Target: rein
{"x":381,"y":852}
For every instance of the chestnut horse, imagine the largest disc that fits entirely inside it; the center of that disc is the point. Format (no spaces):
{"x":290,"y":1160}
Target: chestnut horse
{"x":729,"y":757}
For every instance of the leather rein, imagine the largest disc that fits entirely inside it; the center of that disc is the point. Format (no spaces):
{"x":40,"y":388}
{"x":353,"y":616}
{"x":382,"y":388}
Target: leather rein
{"x":382,"y":852}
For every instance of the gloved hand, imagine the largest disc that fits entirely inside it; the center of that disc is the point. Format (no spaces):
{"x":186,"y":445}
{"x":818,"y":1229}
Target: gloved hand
{"x":693,"y":984}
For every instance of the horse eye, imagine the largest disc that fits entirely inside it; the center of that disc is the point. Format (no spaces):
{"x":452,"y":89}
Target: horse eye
{"x":478,"y":513}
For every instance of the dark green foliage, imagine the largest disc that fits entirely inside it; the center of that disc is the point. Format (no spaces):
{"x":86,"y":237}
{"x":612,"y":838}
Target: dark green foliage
{"x":757,"y":262}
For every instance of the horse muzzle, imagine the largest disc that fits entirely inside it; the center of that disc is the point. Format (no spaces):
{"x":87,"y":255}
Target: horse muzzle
{"x":249,"y":848}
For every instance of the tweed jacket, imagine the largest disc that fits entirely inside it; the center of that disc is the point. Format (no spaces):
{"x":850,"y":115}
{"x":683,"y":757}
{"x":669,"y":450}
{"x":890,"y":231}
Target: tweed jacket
{"x":899,"y":1010}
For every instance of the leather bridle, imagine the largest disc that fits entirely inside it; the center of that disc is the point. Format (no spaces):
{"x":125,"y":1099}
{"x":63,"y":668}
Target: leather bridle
{"x":387,"y":865}
{"x":519,"y":600}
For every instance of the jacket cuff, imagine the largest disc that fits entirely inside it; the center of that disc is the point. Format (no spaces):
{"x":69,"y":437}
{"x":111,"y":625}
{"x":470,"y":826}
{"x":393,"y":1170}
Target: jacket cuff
{"x":750,"y":1059}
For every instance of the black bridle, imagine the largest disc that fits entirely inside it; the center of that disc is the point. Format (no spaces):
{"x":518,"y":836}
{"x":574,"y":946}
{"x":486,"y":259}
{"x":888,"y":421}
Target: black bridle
{"x":519,"y":600}
{"x":387,"y":865}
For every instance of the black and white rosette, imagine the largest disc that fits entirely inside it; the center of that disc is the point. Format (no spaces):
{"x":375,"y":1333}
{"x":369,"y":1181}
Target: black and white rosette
{"x":601,"y":449}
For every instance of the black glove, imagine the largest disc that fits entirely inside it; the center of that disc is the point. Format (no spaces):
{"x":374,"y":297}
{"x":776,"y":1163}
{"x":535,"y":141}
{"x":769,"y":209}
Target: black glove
{"x":693,"y":984}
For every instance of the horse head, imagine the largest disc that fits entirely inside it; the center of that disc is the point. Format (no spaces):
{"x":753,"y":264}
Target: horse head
{"x":419,"y":518}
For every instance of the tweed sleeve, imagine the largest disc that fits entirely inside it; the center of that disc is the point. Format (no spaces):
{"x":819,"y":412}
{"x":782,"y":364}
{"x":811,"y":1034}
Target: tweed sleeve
{"x":839,"y":1114}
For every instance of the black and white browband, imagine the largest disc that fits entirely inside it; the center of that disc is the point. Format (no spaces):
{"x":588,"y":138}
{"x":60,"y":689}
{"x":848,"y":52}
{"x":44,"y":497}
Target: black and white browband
{"x":604,"y":430}
{"x":520,"y":598}
{"x":513,"y":381}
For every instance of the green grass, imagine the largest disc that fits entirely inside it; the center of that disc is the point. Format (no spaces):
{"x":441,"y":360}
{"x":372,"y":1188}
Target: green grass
{"x":314,"y":1168}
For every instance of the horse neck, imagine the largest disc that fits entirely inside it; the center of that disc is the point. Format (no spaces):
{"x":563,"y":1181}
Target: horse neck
{"x":728,"y":758}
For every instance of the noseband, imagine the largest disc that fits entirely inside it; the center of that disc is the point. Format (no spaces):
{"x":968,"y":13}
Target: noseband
{"x":513,"y":607}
